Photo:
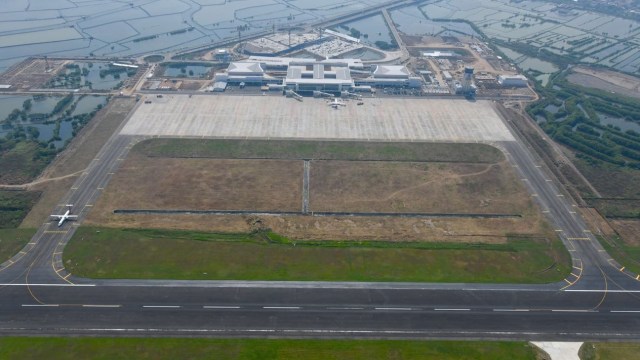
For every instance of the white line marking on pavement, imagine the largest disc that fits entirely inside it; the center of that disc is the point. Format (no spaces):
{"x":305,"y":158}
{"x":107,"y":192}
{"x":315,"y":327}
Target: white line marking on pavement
{"x":394,"y":308}
{"x":282,"y":307}
{"x":571,"y":310}
{"x":452,"y":309}
{"x":101,"y":306}
{"x":625,"y":311}
{"x":161,"y":306}
{"x":345,"y":308}
{"x":220,"y":307}
{"x":61,"y":285}
{"x":511,"y":310}
{"x":607,"y":291}
{"x":40,"y":305}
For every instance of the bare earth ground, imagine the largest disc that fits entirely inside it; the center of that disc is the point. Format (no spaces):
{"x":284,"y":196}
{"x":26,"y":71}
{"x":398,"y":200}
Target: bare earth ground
{"x":206,"y":184}
{"x":75,"y":158}
{"x":606,"y":80}
{"x":629,"y":231}
{"x":598,"y":224}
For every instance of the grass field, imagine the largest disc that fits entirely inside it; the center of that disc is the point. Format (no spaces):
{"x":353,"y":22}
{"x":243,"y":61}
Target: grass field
{"x":22,"y":163}
{"x":262,"y":349}
{"x":12,"y":240}
{"x":320,"y":150}
{"x":14,"y":206}
{"x":627,"y":255}
{"x":162,"y":254}
{"x":609,"y":351}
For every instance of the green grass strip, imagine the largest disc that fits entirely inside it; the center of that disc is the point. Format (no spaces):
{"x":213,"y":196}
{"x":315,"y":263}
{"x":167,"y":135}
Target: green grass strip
{"x":156,"y":254}
{"x":263,"y":349}
{"x":325,"y":150}
{"x":609,"y":351}
{"x":627,"y":256}
{"x":12,"y":241}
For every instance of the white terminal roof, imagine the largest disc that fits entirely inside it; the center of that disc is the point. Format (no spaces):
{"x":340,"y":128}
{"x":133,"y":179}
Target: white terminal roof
{"x":245,"y":67}
{"x":513,"y":77}
{"x":437,"y":53}
{"x":285,"y":61}
{"x":319,"y":73}
{"x":394,"y":71}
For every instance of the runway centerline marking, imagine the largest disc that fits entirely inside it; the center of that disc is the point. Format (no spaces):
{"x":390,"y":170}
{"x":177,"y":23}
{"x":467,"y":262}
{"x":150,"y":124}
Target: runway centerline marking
{"x":511,"y":310}
{"x":100,"y":306}
{"x":394,"y":308}
{"x":40,"y":305}
{"x":161,"y":306}
{"x":281,"y":307}
{"x":445,"y":309}
{"x":345,"y":308}
{"x":220,"y":307}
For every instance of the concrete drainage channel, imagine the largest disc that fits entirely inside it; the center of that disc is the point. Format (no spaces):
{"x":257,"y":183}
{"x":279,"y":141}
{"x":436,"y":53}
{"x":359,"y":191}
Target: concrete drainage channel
{"x":316,"y":213}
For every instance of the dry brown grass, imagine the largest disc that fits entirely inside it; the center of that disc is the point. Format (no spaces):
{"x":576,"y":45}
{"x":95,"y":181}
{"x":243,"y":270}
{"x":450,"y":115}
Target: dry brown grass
{"x":597,"y":223}
{"x":629,"y":231}
{"x":416,"y":187}
{"x":204,"y":184}
{"x":338,"y":228}
{"x":276,"y":185}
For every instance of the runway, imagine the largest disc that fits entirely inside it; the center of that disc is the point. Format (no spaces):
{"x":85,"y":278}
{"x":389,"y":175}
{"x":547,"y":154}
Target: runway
{"x":598,"y":301}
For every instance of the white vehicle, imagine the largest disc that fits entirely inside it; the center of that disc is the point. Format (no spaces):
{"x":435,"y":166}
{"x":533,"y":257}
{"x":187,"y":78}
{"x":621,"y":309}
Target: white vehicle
{"x":336,"y":103}
{"x":62,"y":218}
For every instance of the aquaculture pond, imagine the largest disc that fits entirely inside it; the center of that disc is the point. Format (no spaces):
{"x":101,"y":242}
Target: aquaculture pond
{"x":54,"y":117}
{"x":91,"y":75}
{"x":530,"y":63}
{"x":622,"y":124}
{"x":410,"y":20}
{"x":371,"y":30}
{"x":188,"y":71}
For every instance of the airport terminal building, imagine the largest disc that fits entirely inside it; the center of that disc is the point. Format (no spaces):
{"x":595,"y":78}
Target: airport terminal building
{"x":308,"y":75}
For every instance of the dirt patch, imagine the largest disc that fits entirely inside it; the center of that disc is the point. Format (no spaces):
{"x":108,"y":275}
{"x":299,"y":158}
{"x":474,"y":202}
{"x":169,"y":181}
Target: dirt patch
{"x":336,"y":228}
{"x":606,"y":80}
{"x":597,"y":223}
{"x":416,"y":187}
{"x":31,"y":73}
{"x":204,"y":184}
{"x":629,"y":231}
{"x":76,"y":158}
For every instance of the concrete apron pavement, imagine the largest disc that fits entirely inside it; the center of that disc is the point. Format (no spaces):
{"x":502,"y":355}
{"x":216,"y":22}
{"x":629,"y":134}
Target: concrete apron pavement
{"x":560,"y":350}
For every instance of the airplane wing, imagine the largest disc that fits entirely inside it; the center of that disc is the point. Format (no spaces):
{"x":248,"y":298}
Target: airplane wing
{"x":72,"y":217}
{"x":57,"y":217}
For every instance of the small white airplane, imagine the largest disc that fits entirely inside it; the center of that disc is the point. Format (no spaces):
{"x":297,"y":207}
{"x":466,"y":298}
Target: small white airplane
{"x":62,"y":218}
{"x":336,"y":103}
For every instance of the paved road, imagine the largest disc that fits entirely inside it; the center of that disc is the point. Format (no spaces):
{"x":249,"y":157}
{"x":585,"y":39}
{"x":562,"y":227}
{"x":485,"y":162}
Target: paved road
{"x":597,"y":302}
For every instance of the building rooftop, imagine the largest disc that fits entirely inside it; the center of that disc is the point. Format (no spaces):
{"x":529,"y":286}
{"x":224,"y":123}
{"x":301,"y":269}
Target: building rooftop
{"x":245,"y":67}
{"x":399,"y":71}
{"x":285,"y":61}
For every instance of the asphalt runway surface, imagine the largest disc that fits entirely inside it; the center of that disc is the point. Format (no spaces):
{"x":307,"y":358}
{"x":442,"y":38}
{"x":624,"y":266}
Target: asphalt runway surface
{"x":599,"y":300}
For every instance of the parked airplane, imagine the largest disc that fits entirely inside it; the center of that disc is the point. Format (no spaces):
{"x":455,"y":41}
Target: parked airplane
{"x":62,"y":218}
{"x":335,"y":103}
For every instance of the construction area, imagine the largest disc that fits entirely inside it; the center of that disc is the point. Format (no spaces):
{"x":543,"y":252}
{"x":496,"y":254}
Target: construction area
{"x":279,"y":117}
